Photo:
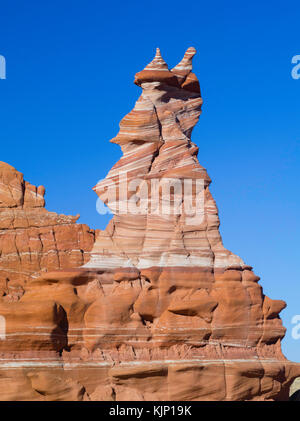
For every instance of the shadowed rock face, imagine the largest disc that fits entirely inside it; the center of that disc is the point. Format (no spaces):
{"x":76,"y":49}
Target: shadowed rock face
{"x":161,"y":311}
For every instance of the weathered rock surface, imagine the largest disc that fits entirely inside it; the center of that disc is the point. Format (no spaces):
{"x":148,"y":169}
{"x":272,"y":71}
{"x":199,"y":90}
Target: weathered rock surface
{"x":33,"y":239}
{"x":161,"y":311}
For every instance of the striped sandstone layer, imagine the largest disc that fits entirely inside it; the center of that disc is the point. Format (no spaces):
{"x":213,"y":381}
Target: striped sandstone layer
{"x":155,"y":138}
{"x":162,"y":311}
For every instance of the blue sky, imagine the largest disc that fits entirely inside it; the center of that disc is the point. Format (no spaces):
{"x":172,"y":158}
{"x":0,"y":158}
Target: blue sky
{"x":70,"y":70}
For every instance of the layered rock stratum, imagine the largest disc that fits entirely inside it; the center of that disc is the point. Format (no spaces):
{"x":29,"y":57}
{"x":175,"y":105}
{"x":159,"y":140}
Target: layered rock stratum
{"x":159,"y":309}
{"x":33,"y":239}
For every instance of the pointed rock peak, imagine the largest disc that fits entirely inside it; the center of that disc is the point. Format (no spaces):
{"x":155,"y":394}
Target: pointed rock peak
{"x":156,"y":71}
{"x":190,"y":52}
{"x":158,"y":63}
{"x":184,"y":67}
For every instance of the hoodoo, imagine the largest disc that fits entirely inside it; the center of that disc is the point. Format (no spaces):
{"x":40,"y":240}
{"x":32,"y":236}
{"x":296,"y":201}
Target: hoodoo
{"x":160,"y":309}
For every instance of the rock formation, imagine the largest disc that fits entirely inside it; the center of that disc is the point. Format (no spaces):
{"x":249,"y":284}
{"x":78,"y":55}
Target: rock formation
{"x":33,"y":239}
{"x":161,"y":311}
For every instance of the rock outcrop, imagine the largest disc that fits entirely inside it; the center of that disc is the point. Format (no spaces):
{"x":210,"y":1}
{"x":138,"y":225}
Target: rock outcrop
{"x":161,"y":310}
{"x":33,"y":239}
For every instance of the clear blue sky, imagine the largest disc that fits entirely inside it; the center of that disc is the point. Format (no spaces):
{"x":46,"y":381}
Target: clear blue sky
{"x":70,"y":69}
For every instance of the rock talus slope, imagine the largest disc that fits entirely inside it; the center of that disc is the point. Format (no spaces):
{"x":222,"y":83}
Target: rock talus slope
{"x":161,"y":310}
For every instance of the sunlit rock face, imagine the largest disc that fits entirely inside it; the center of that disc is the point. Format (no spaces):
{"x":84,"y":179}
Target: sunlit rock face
{"x":160,"y":310}
{"x":155,"y":138}
{"x":33,"y":239}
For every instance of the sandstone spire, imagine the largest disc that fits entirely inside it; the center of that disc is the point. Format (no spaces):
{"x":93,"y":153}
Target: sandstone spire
{"x":156,"y":141}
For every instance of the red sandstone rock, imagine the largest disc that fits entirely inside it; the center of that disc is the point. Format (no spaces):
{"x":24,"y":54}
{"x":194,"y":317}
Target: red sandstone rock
{"x":161,"y":311}
{"x":33,"y":239}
